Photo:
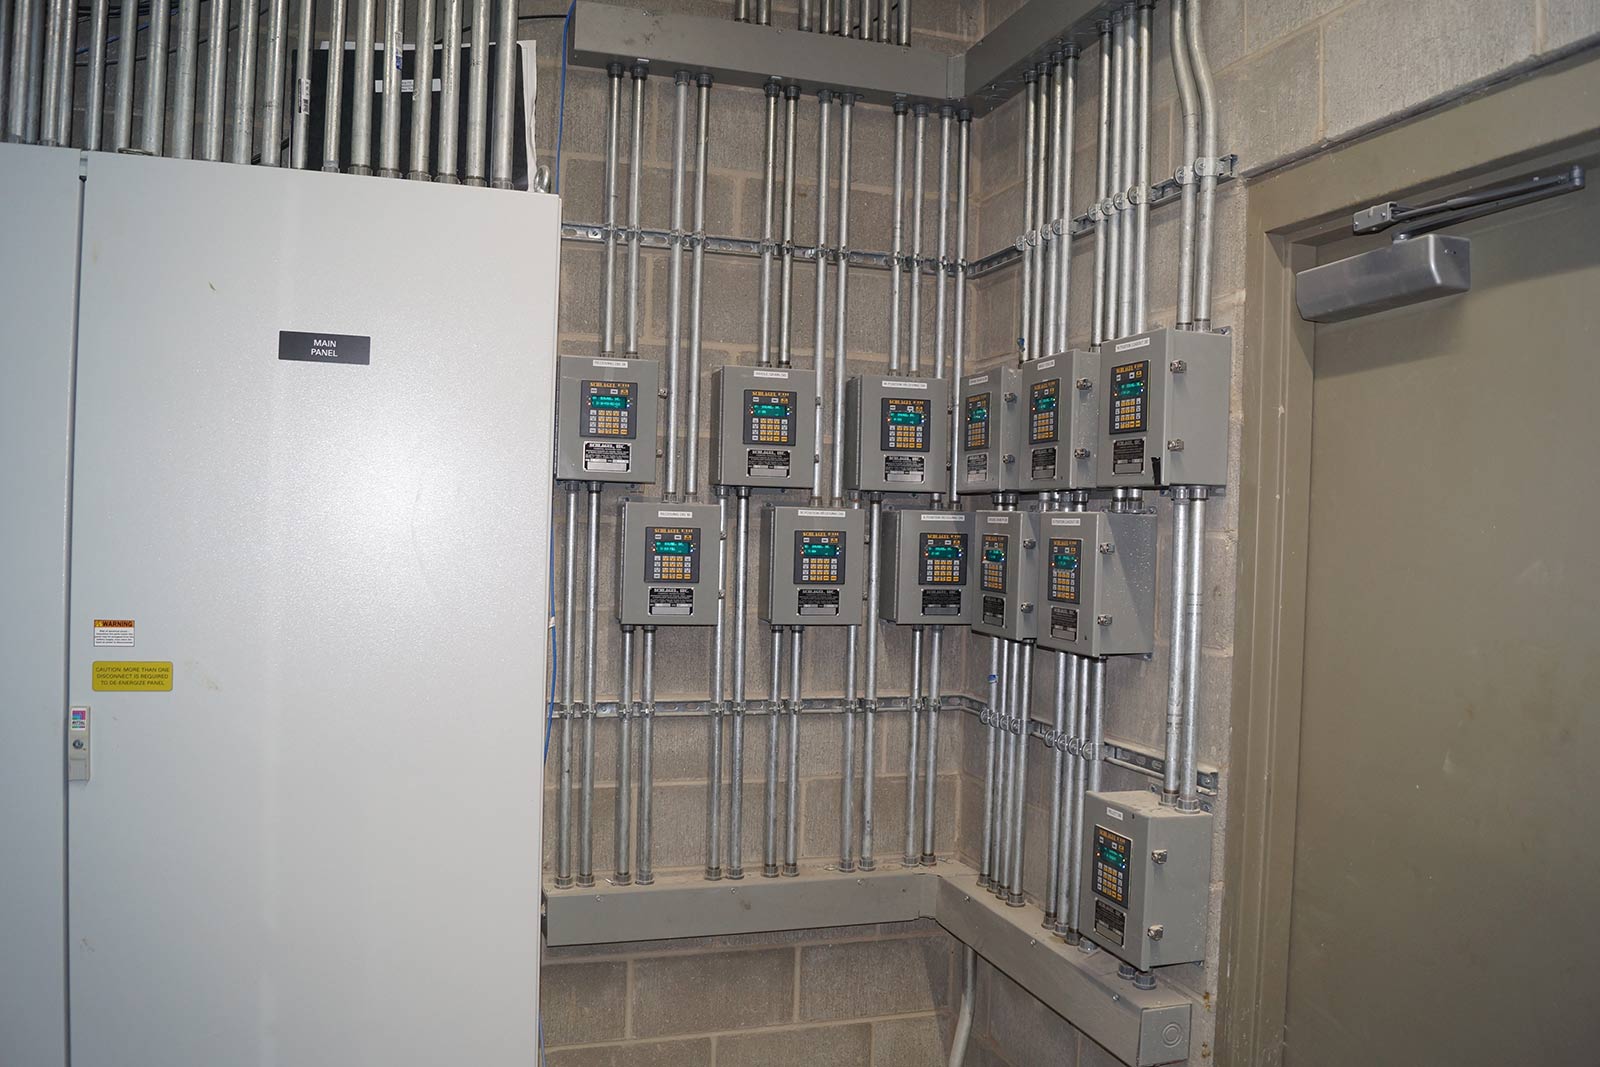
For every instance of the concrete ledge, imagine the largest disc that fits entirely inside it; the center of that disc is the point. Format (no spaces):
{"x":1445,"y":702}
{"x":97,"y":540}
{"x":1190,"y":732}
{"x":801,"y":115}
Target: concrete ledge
{"x":1142,"y":1028}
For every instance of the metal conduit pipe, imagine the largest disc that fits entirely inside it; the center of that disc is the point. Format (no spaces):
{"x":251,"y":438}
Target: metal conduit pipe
{"x":769,"y":837}
{"x":885,"y":8}
{"x":449,"y":95}
{"x":569,"y":605}
{"x":505,"y":95}
{"x":591,"y":615}
{"x":623,"y":837}
{"x":959,"y":365}
{"x":635,"y":165}
{"x":1188,"y":787}
{"x":1055,"y":229}
{"x":791,"y":811}
{"x":1180,"y":633}
{"x":647,"y":719}
{"x":1114,"y":180}
{"x":1007,"y":774}
{"x":920,"y":111}
{"x":1030,"y":90}
{"x":791,"y":98}
{"x":122,"y":98}
{"x":153,"y":126}
{"x":1208,"y":175}
{"x":277,"y":53}
{"x":1020,"y":787}
{"x":680,"y":123}
{"x":897,"y":234}
{"x":608,"y":281}
{"x":697,"y":270}
{"x":769,"y":177}
{"x":186,"y":62}
{"x":847,"y":784}
{"x":19,"y":75}
{"x":1088,"y":770}
{"x":6,"y":45}
{"x":66,"y":75}
{"x":1072,"y":822}
{"x":1184,"y":77}
{"x":930,"y":773}
{"x":35,"y":86}
{"x":913,"y":728}
{"x":243,"y":123}
{"x":741,"y":10}
{"x":1130,"y":166}
{"x":969,"y":995}
{"x":991,"y":732}
{"x":1058,"y":789}
{"x":1041,"y":214}
{"x":214,"y":92}
{"x":335,"y":88}
{"x":719,"y":707}
{"x":942,"y":250}
{"x":741,"y":589}
{"x":870,"y":708}
{"x":819,"y":304}
{"x":50,"y":92}
{"x":478,"y":114}
{"x":1141,"y":209}
{"x":394,"y":39}
{"x":422,"y":122}
{"x":1097,"y":720}
{"x":841,"y":311}
{"x":905,"y":23}
{"x":361,"y":81}
{"x":1102,"y":221}
{"x":1066,"y":131}
{"x":95,"y":95}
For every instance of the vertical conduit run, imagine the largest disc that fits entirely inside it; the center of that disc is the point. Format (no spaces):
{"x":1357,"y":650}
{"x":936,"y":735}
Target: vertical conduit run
{"x":741,"y":558}
{"x":6,"y":44}
{"x":847,"y":783}
{"x":769,"y":837}
{"x":1066,"y":134}
{"x":335,"y":89}
{"x":478,"y":113}
{"x":1007,"y":773}
{"x":1058,"y":795}
{"x":34,"y":87}
{"x":1208,"y":161}
{"x":969,"y":995}
{"x":913,"y":725}
{"x":1054,"y":230}
{"x":959,"y":366}
{"x":870,"y":706}
{"x":50,"y":92}
{"x":1141,"y":217}
{"x":422,"y":115}
{"x":930,"y":774}
{"x":505,"y":95}
{"x":608,"y":283}
{"x":95,"y":95}
{"x":697,"y":273}
{"x":622,"y":840}
{"x":1188,"y":787}
{"x":449,"y":95}
{"x":243,"y":125}
{"x":361,"y":82}
{"x":905,"y":22}
{"x":769,"y":178}
{"x":791,"y":98}
{"x":300,"y":105}
{"x":1186,"y":178}
{"x":20,"y":56}
{"x":635,"y":164}
{"x":1088,"y":772}
{"x":1038,"y":340}
{"x":1101,"y":212}
{"x":897,"y":234}
{"x":991,"y":733}
{"x":1020,"y":787}
{"x":920,"y":111}
{"x":122,"y":99}
{"x":185,"y":60}
{"x":394,"y":39}
{"x":1130,"y":130}
{"x":591,"y":617}
{"x":719,"y":706}
{"x":680,"y":123}
{"x":820,"y":295}
{"x":1114,"y":179}
{"x":647,"y":720}
{"x":791,"y":813}
{"x":841,"y":313}
{"x":941,"y":284}
{"x":1072,"y":821}
{"x":65,"y":74}
{"x":277,"y":53}
{"x":1180,"y":633}
{"x":1029,"y":238}
{"x":153,"y":127}
{"x":214,"y":101}
{"x":569,"y":605}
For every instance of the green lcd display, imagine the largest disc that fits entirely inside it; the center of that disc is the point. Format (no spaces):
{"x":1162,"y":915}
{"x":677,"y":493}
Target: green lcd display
{"x":1044,"y":403}
{"x":820,"y":550}
{"x":943,"y":552}
{"x":1133,"y":388}
{"x":1066,"y":562}
{"x":906,"y":418}
{"x":995,"y":555}
{"x":770,"y":411}
{"x":608,"y":403}
{"x":673,"y":548}
{"x":1112,"y":856}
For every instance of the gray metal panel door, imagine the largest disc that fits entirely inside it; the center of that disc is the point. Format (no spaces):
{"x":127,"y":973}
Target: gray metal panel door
{"x":322,"y":845}
{"x":39,"y":265}
{"x":1446,"y":858}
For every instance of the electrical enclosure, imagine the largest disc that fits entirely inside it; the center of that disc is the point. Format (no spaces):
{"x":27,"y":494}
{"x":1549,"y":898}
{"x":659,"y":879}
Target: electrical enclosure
{"x":1097,"y":582}
{"x":1163,"y":417}
{"x":986,"y":450}
{"x":1147,"y":878}
{"x":1056,"y":422}
{"x":895,"y":434}
{"x":926,"y":568}
{"x":764,"y":431}
{"x":812,"y":561}
{"x":671,"y":569}
{"x":1007,"y":554}
{"x":606,"y":419}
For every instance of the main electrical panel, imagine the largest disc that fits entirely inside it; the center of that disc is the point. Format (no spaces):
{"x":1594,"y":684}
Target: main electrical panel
{"x":813,"y":563}
{"x":671,"y":564}
{"x":1008,"y":574}
{"x":765,"y":429}
{"x":606,"y":419}
{"x":896,"y":434}
{"x":1097,"y":582}
{"x":926,"y":568}
{"x":1164,"y":410}
{"x":1056,"y":432}
{"x":1147,"y":878}
{"x":986,"y":443}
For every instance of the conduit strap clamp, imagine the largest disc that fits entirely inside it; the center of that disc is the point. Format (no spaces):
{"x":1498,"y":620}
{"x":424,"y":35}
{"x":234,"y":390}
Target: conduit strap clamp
{"x":1104,"y":208}
{"x":1184,"y":175}
{"x":1214,"y":166}
{"x":676,"y":237}
{"x":1119,"y":201}
{"x":869,"y":706}
{"x":1137,"y":195}
{"x":1059,"y":227}
{"x":738,"y":707}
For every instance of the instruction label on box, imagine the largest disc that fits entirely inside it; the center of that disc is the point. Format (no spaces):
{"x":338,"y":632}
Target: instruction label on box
{"x":132,"y":676}
{"x":113,"y":633}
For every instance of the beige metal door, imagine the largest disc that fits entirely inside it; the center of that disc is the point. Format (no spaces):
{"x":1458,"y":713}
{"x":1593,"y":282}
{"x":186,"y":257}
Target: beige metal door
{"x":1446,"y":889}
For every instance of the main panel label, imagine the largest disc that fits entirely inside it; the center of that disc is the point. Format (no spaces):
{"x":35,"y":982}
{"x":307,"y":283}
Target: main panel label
{"x":324,"y":347}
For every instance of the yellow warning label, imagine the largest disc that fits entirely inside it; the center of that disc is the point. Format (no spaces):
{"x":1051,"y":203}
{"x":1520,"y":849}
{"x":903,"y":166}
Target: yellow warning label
{"x":132,"y":676}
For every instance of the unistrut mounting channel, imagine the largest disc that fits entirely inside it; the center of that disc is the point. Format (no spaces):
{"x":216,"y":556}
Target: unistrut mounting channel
{"x":1140,"y":1027}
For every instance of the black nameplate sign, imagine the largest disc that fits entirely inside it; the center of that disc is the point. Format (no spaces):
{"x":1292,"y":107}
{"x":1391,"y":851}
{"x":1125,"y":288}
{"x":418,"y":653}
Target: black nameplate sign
{"x":324,"y":347}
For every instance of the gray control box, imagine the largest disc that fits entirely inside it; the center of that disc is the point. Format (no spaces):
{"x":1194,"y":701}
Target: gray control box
{"x":764,"y":428}
{"x":927,"y":568}
{"x":1056,"y":423}
{"x":1097,"y":582}
{"x":1146,"y":879}
{"x":895,"y":434}
{"x":1164,"y":409}
{"x":606,"y":419}
{"x":671,"y":569}
{"x":1007,"y":555}
{"x":813,"y":562}
{"x":986,"y":451}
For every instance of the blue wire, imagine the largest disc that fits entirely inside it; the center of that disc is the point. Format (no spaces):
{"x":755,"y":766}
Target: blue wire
{"x":561,"y":113}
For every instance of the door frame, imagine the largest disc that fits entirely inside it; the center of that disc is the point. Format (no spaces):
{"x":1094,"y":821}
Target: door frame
{"x":1500,"y":132}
